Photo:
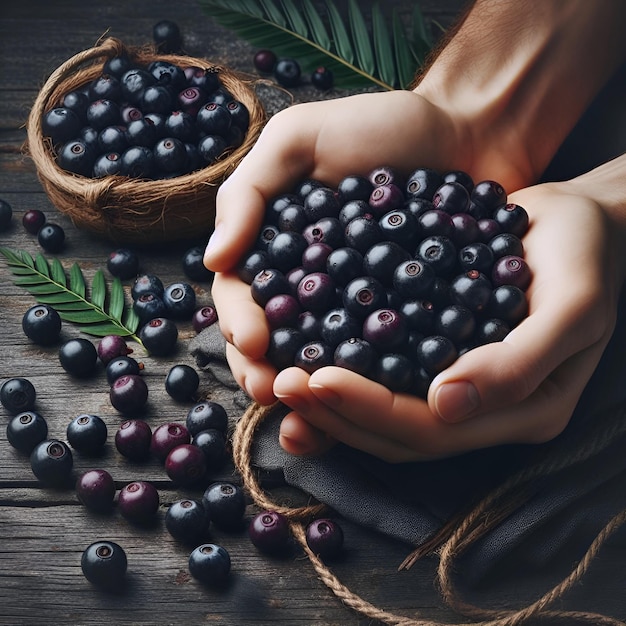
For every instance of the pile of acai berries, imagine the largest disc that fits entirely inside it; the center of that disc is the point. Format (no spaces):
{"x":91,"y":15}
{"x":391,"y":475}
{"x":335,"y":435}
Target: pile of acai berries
{"x":392,"y":277}
{"x":156,"y":121}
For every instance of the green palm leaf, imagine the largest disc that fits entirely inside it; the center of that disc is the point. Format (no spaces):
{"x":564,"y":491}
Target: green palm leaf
{"x":103,"y":313}
{"x":357,"y":58}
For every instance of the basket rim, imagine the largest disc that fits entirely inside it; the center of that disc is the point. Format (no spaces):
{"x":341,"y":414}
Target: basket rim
{"x":89,"y":62}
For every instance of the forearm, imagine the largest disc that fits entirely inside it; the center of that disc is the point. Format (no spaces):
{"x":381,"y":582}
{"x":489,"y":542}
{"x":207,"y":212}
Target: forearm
{"x":516,"y":76}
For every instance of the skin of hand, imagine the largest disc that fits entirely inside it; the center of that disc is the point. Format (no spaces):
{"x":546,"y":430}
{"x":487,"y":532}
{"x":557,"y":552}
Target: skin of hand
{"x":446,"y":123}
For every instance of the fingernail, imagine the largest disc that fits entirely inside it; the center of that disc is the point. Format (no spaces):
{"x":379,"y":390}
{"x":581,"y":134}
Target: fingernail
{"x":293,"y":401}
{"x":326,"y":395}
{"x":456,"y":400}
{"x":294,"y":446}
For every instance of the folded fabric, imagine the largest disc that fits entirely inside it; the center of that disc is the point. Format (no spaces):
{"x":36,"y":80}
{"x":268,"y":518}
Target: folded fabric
{"x":564,"y":507}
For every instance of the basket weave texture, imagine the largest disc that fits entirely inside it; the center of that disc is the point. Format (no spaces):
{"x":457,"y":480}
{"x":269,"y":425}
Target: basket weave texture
{"x":127,"y":210}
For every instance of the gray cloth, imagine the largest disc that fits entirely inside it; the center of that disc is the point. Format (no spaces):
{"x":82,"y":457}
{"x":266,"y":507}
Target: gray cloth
{"x":412,"y":501}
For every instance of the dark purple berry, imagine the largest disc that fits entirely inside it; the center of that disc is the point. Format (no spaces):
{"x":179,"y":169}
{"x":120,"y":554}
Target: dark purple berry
{"x":386,"y":330}
{"x":287,"y":72}
{"x":147,"y":283}
{"x":267,"y":284}
{"x":26,"y":430}
{"x":440,"y":253}
{"x":206,"y":415}
{"x":381,"y":260}
{"x":181,"y":382}
{"x":111,"y":347}
{"x":324,"y":538}
{"x":363,"y":232}
{"x":326,"y":230}
{"x":167,"y":37}
{"x":142,"y":132}
{"x":436,"y":223}
{"x":357,"y":355}
{"x":42,"y":324}
{"x":187,"y":521}
{"x":264,"y":61}
{"x":18,"y":395}
{"x":285,"y":250}
{"x":166,"y":437}
{"x":400,"y":227}
{"x":472,"y":290}
{"x":129,"y":394}
{"x":339,"y":325}
{"x":511,"y":270}
{"x":212,"y":442}
{"x":455,"y":322}
{"x":282,"y":310}
{"x":283,"y":347}
{"x":193,"y":265}
{"x":104,"y":564}
{"x":269,"y":532}
{"x":186,"y":465}
{"x":422,"y":183}
{"x":137,"y":162}
{"x":506,"y":244}
{"x":394,"y":371}
{"x":385,"y":198}
{"x":313,"y":356}
{"x":451,"y":197}
{"x":78,"y":357}
{"x":226,"y":505}
{"x":60,"y":124}
{"x":419,"y":315}
{"x":315,"y":256}
{"x":458,"y":176}
{"x":33,"y":220}
{"x":363,"y":295}
{"x":87,"y":434}
{"x":466,"y":230}
{"x":435,"y":353}
{"x":266,"y":236}
{"x":138,"y":502}
{"x":488,"y":195}
{"x":322,"y":78}
{"x":353,"y":209}
{"x":488,"y":228}
{"x":354,"y":187}
{"x":213,"y":119}
{"x":385,"y":175}
{"x":123,"y":263}
{"x":508,"y":303}
{"x":316,"y":292}
{"x":133,"y":439}
{"x":96,"y":489}
{"x":476,"y":256}
{"x":344,"y":265}
{"x":512,"y":218}
{"x":321,"y":202}
{"x":159,"y":336}
{"x":204,"y":317}
{"x":121,"y":365}
{"x":51,"y":237}
{"x":210,"y":564}
{"x":292,"y":218}
{"x":413,"y":279}
{"x":180,"y":301}
{"x":51,"y":462}
{"x":254,"y":262}
{"x":492,"y":330}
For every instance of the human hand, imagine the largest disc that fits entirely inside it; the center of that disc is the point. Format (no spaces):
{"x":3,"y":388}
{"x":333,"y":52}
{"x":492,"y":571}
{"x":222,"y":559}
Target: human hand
{"x":521,"y":390}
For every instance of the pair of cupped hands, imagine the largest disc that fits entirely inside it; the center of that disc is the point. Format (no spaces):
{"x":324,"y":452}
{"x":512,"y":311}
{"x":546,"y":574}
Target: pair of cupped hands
{"x":521,"y":390}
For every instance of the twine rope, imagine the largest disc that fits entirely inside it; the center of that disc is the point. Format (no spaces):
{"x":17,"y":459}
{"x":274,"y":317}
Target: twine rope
{"x":243,"y":441}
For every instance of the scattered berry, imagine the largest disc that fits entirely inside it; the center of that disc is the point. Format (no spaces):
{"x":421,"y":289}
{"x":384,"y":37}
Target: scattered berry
{"x":26,"y":430}
{"x":87,"y":434}
{"x":269,"y":532}
{"x":42,"y":324}
{"x":78,"y":357}
{"x":226,"y":505}
{"x":104,"y":564}
{"x":187,"y":520}
{"x":129,"y":394}
{"x":96,"y":490}
{"x":123,"y":263}
{"x":51,"y":237}
{"x":325,"y":538}
{"x":166,"y":437}
{"x":133,"y":439}
{"x":18,"y":395}
{"x":33,"y":220}
{"x":181,"y":382}
{"x":209,"y":564}
{"x":52,"y":462}
{"x":138,"y":502}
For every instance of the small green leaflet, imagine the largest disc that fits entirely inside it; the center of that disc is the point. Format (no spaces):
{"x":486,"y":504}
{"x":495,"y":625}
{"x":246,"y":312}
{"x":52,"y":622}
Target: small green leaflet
{"x":388,"y":56}
{"x":97,"y":311}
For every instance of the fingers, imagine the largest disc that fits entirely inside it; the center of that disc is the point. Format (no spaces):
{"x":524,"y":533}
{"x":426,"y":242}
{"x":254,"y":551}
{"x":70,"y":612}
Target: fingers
{"x":572,"y":307}
{"x":242,"y":320}
{"x":280,"y":157}
{"x":254,"y":377}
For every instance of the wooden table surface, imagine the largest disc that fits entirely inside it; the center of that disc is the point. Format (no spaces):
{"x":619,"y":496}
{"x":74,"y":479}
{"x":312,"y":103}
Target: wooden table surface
{"x":43,"y":531}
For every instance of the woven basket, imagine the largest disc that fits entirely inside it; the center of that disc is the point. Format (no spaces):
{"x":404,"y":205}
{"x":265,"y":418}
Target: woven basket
{"x":122,"y":209}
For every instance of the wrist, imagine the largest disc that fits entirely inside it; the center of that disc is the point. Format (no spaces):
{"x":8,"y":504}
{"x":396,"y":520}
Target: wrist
{"x":520,"y":94}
